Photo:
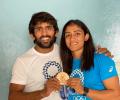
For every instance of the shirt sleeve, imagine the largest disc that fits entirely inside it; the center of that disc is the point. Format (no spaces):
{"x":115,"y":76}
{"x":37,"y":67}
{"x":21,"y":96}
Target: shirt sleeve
{"x":19,"y":74}
{"x":107,"y":67}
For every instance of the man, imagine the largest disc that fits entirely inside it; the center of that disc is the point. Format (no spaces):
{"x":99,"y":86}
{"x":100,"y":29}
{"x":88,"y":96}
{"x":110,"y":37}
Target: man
{"x":33,"y":73}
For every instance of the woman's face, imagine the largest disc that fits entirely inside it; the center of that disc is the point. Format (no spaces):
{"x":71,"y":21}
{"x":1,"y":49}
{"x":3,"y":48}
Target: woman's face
{"x":75,"y":38}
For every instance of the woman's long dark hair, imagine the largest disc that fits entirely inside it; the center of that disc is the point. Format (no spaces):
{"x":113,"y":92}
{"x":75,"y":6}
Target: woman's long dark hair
{"x":87,"y":59}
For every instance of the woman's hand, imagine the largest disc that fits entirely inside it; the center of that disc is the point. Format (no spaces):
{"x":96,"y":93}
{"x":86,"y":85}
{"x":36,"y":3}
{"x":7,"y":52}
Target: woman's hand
{"x":76,"y":84}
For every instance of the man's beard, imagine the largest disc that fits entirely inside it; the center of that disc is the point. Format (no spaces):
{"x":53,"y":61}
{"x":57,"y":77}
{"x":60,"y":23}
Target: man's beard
{"x":42,"y":43}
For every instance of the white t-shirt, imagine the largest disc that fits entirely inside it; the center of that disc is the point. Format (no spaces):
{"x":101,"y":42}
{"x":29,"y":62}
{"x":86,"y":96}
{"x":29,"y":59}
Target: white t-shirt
{"x":32,"y":69}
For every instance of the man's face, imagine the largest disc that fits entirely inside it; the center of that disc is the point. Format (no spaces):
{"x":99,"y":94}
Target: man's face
{"x":44,"y":35}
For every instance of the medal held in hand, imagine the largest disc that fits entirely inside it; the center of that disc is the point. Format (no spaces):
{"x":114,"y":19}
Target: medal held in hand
{"x":63,"y":77}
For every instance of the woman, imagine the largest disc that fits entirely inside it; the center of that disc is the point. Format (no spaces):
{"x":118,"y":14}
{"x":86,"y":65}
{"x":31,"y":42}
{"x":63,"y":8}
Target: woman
{"x":93,"y":76}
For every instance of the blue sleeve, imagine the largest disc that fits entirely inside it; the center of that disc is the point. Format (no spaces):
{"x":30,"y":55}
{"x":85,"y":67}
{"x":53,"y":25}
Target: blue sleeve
{"x":107,"y":67}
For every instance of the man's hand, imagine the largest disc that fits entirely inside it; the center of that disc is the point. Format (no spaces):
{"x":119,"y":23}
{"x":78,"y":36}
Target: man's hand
{"x":99,"y":49}
{"x":51,"y":85}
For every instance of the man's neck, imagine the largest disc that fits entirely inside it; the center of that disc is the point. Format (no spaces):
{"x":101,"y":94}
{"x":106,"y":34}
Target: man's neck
{"x":43,"y":50}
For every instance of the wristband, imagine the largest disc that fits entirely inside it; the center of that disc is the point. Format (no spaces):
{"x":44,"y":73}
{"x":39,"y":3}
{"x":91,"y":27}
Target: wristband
{"x":86,"y":90}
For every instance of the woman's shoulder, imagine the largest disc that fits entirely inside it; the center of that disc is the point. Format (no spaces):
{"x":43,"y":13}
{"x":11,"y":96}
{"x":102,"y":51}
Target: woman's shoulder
{"x":105,"y":65}
{"x":102,"y":58}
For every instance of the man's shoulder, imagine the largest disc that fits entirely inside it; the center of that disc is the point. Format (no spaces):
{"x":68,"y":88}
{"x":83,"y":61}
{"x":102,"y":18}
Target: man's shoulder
{"x":27,"y":56}
{"x":28,"y":53}
{"x":56,"y":46}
